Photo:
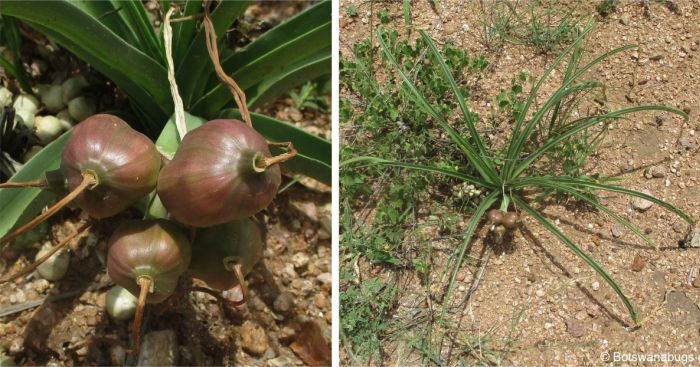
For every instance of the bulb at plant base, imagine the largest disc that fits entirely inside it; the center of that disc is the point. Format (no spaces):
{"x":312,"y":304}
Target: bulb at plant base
{"x":156,"y":250}
{"x":25,"y":118}
{"x":56,"y":267}
{"x":215,"y":248}
{"x":120,"y":304}
{"x":52,"y":97}
{"x":47,"y":128}
{"x":215,"y":178}
{"x":125,"y":162}
{"x":5,"y":97}
{"x":67,"y":122}
{"x":73,"y":87}
{"x":27,"y":103}
{"x":25,"y":107}
{"x":81,"y":108}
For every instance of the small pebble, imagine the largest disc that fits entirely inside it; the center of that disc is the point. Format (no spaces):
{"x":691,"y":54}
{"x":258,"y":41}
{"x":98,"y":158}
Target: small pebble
{"x":159,"y":348}
{"x":300,"y":260}
{"x":575,"y":327}
{"x":595,"y":285}
{"x":326,"y":280}
{"x":283,"y":302}
{"x":253,"y":341}
{"x":625,"y":19}
{"x":616,"y":230}
{"x":638,"y":263}
{"x":694,"y":238}
{"x":640,"y":203}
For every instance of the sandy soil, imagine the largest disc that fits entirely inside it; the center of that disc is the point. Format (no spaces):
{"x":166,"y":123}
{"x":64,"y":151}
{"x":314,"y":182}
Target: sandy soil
{"x":538,"y":303}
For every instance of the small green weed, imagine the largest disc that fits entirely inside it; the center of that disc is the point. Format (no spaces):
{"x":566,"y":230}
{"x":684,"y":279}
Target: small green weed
{"x":364,"y":316}
{"x":384,"y":16}
{"x":606,"y":7}
{"x":309,"y":98}
{"x":351,"y":11}
{"x":544,"y":26}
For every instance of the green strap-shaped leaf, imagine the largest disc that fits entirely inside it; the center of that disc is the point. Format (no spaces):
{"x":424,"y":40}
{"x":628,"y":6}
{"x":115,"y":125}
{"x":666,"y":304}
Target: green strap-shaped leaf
{"x":273,"y":64}
{"x":183,"y":32}
{"x":533,"y":92}
{"x":19,"y":205}
{"x":169,"y":140}
{"x":196,"y":67}
{"x":613,"y":188}
{"x":314,"y":153}
{"x":135,"y":15}
{"x":522,"y":136}
{"x":582,"y":124}
{"x":364,"y":161}
{"x":475,"y":159}
{"x":489,"y":200}
{"x":468,"y":117}
{"x":570,"y":244}
{"x":576,"y":192}
{"x":110,"y":14}
{"x":271,"y":88}
{"x":307,"y":20}
{"x":276,"y":84}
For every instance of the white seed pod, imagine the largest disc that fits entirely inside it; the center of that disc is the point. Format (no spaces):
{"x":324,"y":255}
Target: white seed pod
{"x":73,"y":87}
{"x":47,"y":128}
{"x":25,"y":118}
{"x":67,"y":122}
{"x":56,"y":267}
{"x":121,"y":304}
{"x":5,"y":97}
{"x":31,"y":153}
{"x":51,"y":97}
{"x":27,"y":103}
{"x":81,"y":108}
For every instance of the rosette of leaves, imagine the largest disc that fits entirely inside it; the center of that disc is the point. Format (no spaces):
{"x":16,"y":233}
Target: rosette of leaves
{"x":508,"y":177}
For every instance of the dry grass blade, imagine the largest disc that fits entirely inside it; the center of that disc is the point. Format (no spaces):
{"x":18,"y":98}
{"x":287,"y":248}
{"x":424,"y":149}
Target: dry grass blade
{"x":177,"y":100}
{"x":213,"y":49}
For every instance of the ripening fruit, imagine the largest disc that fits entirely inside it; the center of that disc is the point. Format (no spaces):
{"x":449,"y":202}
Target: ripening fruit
{"x":156,"y":250}
{"x":217,"y":249}
{"x":147,"y":257}
{"x":106,"y":166}
{"x":124,"y":161}
{"x":218,"y":175}
{"x":495,"y":216}
{"x":510,"y":220}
